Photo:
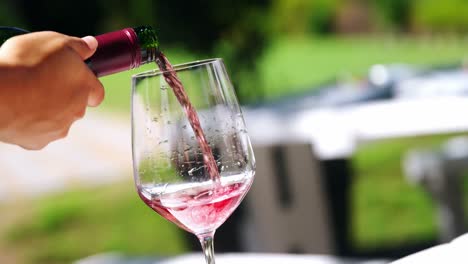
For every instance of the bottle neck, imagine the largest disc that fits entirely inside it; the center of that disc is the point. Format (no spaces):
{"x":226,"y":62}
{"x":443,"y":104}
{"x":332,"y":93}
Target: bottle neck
{"x":123,"y":50}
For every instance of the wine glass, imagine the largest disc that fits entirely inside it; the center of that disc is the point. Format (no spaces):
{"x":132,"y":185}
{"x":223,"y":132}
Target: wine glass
{"x":171,"y":169}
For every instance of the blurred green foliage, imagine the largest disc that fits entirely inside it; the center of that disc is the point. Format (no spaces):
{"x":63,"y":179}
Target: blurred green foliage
{"x":298,"y":17}
{"x":409,"y":210}
{"x":296,"y":65}
{"x":238,"y":31}
{"x":395,"y":14}
{"x":432,"y":16}
{"x":65,"y":227}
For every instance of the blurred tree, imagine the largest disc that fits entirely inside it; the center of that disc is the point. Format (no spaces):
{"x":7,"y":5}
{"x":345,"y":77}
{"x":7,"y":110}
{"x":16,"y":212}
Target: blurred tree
{"x":354,"y":16}
{"x":117,"y":14}
{"x":9,"y":14}
{"x":395,"y":13}
{"x":197,"y":26}
{"x":300,"y":17}
{"x":77,"y":19}
{"x":440,"y":16}
{"x":234,"y":30}
{"x":241,"y":46}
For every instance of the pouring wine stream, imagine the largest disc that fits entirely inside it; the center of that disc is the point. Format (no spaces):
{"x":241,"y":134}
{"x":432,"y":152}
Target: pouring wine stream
{"x":174,"y":82}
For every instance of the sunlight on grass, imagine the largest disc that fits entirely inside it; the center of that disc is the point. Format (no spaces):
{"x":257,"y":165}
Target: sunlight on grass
{"x":65,"y":227}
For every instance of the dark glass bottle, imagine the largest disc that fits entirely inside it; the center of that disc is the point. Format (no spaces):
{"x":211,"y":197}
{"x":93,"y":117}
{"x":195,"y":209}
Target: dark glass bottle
{"x":117,"y":51}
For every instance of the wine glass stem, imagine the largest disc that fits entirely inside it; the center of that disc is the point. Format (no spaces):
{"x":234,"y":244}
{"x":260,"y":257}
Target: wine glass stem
{"x":207,"y":244}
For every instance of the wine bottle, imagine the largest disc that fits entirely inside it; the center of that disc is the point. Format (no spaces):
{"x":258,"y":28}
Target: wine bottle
{"x":117,"y":51}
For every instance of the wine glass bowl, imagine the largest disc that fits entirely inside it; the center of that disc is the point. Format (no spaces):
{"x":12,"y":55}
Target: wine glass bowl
{"x":171,"y":168}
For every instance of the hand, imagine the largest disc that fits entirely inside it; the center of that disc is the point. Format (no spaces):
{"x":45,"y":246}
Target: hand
{"x":45,"y":87}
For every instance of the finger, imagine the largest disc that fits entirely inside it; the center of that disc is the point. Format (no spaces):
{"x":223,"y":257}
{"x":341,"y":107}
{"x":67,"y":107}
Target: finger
{"x":82,"y":47}
{"x":80,"y":113}
{"x":96,"y":94}
{"x":36,"y":145}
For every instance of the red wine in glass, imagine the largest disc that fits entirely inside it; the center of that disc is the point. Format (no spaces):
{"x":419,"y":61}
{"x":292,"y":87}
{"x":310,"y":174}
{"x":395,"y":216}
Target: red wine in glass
{"x":197,"y":210}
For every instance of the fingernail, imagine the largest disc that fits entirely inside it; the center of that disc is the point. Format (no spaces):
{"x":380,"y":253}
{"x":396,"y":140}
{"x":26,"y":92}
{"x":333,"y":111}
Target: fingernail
{"x":91,"y":41}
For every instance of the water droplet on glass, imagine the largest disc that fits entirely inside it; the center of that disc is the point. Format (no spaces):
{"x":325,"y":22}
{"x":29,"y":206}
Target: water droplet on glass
{"x":169,"y":122}
{"x":190,"y":172}
{"x":155,"y":119}
{"x":184,"y":126}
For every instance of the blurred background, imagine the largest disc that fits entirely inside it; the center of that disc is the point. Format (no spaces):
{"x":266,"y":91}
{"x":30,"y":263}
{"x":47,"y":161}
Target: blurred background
{"x":374,"y":89}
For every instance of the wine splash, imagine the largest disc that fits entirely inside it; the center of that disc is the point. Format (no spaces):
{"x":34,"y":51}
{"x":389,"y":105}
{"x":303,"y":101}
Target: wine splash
{"x":174,"y":82}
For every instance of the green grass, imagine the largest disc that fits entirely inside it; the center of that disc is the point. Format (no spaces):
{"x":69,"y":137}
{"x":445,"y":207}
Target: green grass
{"x":295,"y":65}
{"x":386,"y":209}
{"x":65,"y":227}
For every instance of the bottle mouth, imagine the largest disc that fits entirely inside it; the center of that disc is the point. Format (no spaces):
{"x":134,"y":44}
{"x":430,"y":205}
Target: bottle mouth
{"x":148,"y":43}
{"x":179,"y":67}
{"x":148,"y":55}
{"x":147,"y":37}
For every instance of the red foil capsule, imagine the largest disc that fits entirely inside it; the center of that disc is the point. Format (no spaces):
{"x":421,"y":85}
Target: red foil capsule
{"x":117,"y":51}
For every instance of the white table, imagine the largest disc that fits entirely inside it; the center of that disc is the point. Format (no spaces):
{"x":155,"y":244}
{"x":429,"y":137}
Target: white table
{"x":231,"y":258}
{"x":256,"y":258}
{"x":336,"y":132}
{"x":455,"y":252}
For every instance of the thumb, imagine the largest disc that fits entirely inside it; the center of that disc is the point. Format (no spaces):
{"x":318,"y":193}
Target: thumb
{"x":85,"y":47}
{"x":91,"y":42}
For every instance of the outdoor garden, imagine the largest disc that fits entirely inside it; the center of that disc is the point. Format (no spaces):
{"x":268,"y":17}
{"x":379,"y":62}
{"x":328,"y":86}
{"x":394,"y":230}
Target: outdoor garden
{"x":272,"y":49}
